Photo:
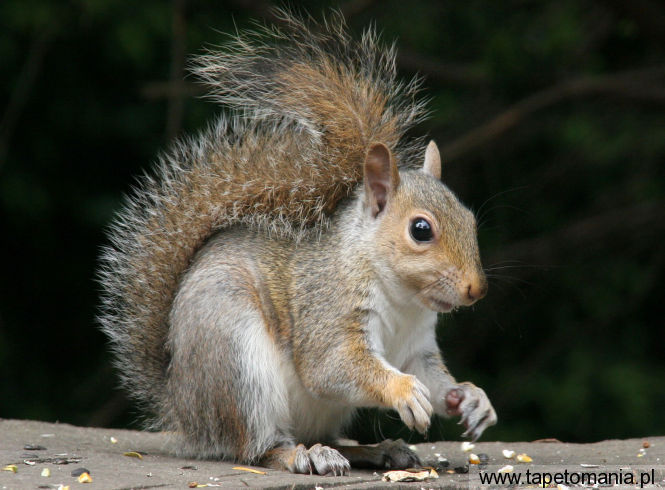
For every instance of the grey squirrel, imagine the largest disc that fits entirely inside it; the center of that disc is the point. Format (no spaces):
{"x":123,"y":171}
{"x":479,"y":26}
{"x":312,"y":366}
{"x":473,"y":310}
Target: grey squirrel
{"x":286,"y":266}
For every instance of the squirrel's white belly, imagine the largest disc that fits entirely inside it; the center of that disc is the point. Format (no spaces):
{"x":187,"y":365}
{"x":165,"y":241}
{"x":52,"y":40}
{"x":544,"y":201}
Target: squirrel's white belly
{"x":398,"y":332}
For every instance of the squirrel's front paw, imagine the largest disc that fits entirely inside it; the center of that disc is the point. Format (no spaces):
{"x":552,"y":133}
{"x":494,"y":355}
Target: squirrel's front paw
{"x":410,"y":398}
{"x":472,"y":404}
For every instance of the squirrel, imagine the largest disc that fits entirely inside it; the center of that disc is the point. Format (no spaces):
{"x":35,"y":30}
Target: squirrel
{"x":286,"y":266}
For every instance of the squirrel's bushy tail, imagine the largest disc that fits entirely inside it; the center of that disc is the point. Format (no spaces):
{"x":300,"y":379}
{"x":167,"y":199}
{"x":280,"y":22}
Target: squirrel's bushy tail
{"x":307,"y":101}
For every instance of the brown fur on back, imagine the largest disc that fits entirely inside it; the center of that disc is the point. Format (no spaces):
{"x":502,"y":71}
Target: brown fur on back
{"x":308,"y":102}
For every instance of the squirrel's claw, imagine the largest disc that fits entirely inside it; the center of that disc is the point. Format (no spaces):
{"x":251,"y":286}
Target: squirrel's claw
{"x":414,"y":408}
{"x":472,"y":404}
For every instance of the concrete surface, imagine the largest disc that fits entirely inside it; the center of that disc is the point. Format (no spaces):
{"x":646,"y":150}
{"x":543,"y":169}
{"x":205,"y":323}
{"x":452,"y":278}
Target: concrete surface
{"x":68,"y":448}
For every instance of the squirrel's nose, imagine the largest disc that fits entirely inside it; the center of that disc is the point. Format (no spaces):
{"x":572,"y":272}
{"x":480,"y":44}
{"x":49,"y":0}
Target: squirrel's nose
{"x":476,"y":290}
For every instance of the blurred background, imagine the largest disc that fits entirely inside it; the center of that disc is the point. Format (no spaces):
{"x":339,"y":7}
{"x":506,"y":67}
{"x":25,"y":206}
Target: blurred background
{"x":550,"y":116}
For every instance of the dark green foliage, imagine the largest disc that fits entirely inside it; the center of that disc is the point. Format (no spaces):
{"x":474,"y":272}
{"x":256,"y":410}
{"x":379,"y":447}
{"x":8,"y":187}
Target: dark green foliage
{"x":570,"y":194}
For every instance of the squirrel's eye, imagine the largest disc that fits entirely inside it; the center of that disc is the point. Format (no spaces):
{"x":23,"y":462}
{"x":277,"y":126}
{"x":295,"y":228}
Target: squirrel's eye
{"x":421,"y":230}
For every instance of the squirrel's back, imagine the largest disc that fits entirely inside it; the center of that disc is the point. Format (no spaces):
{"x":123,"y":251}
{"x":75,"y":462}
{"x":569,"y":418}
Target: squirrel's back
{"x":308,"y":101}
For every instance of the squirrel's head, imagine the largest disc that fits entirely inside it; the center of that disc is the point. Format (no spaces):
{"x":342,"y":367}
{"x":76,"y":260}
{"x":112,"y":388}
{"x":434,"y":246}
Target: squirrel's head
{"x":425,"y":237}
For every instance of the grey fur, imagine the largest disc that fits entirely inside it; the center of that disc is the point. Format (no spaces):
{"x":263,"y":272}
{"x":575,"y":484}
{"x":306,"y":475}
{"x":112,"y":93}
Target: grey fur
{"x":269,"y":166}
{"x":251,"y":298}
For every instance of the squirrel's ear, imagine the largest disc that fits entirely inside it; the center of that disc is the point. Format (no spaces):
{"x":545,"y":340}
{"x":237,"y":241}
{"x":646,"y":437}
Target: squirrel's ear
{"x":381,"y":177}
{"x":432,"y":164}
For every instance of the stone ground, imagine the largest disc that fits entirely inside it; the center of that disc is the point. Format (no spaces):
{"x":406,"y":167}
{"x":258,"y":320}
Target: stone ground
{"x":66,"y":448}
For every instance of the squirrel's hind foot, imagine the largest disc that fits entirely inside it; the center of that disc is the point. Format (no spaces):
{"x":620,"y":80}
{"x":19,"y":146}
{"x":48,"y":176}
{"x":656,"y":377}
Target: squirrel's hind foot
{"x":318,"y":459}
